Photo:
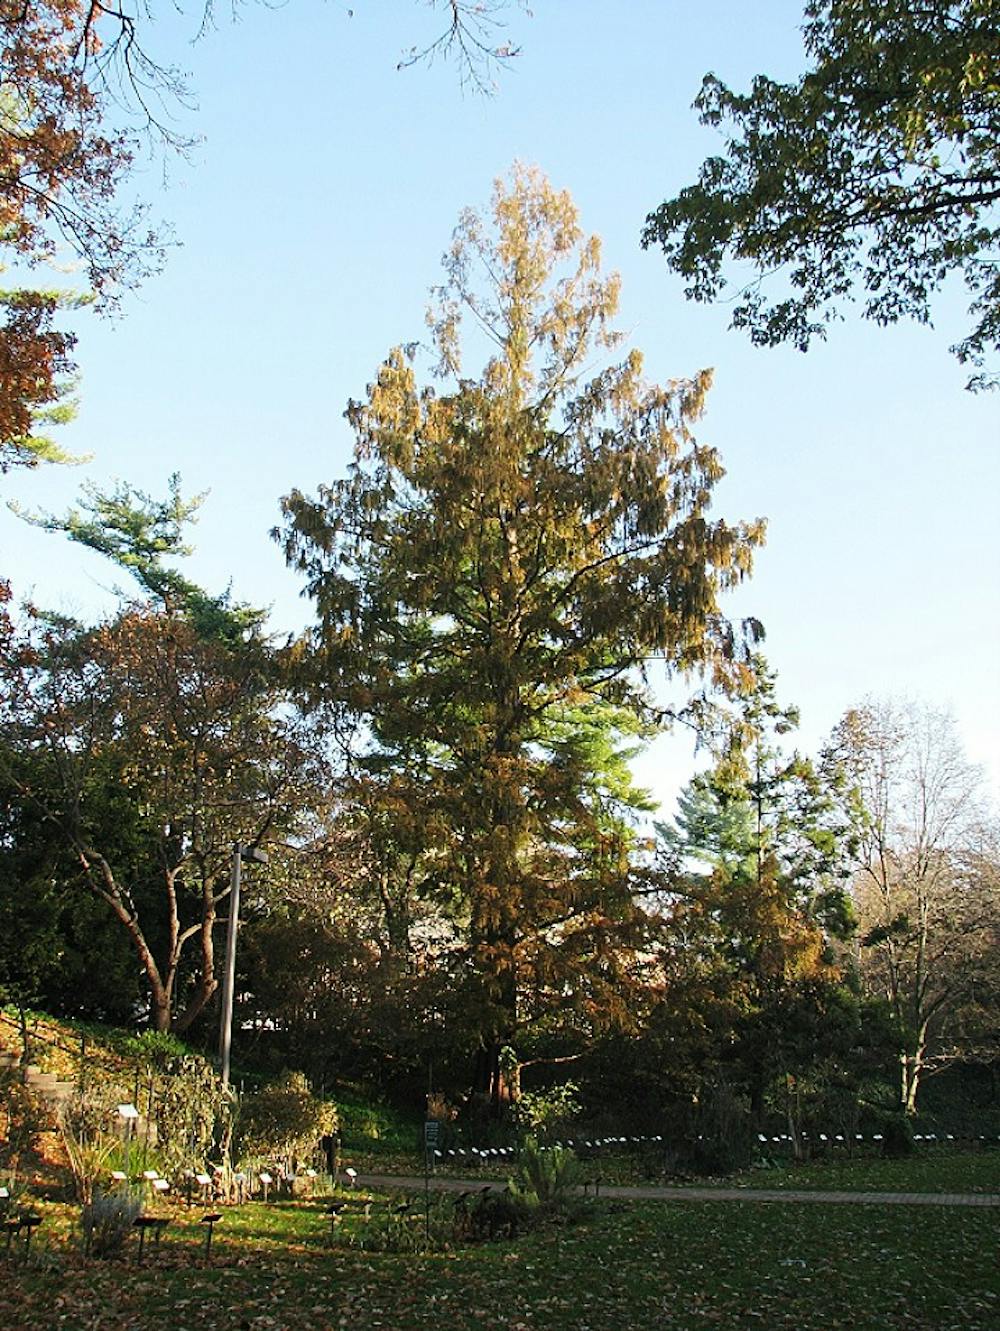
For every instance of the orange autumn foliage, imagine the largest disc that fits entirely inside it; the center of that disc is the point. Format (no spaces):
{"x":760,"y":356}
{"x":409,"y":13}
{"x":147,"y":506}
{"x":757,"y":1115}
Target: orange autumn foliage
{"x":61,"y":169}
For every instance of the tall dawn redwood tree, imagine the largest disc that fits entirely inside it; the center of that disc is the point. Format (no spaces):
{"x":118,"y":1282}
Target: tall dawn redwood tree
{"x":505,"y":555}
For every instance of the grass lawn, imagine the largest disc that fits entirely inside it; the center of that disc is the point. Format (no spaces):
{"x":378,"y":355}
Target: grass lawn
{"x":929,"y":1170}
{"x":617,"y":1266}
{"x":945,"y":1171}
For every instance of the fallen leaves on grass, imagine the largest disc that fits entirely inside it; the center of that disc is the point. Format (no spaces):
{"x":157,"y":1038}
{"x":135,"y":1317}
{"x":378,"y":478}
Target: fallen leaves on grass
{"x":678,"y":1266}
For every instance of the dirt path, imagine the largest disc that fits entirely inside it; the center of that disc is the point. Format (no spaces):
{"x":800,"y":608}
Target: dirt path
{"x":384,"y":1182}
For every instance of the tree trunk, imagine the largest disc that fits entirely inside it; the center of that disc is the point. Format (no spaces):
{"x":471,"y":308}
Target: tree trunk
{"x":912,"y":1065}
{"x":495,"y":1080}
{"x":486,"y":1072}
{"x":105,"y":886}
{"x":196,"y":1004}
{"x":496,"y":905}
{"x":207,"y":983}
{"x":793,"y":1113}
{"x":25,"y":1059}
{"x":758,"y":1087}
{"x":494,"y":1085}
{"x":159,"y":1010}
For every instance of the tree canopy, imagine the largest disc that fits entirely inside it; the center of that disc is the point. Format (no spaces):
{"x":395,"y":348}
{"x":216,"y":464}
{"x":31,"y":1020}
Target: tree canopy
{"x":146,"y":750}
{"x":876,"y":174}
{"x":757,"y":868}
{"x":84,"y":88}
{"x":926,"y":885}
{"x":140,"y":533}
{"x":135,"y":752}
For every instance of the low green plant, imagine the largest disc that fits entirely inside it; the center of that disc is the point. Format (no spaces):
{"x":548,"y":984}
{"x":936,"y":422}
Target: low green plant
{"x":18,"y":1195}
{"x":393,"y":1225}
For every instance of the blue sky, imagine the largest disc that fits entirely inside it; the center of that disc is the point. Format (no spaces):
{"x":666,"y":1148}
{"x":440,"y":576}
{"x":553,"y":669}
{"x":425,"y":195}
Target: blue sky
{"x":310,"y":222}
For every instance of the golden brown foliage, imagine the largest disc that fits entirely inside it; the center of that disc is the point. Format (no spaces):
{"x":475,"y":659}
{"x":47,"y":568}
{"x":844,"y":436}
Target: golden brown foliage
{"x":491,"y":579}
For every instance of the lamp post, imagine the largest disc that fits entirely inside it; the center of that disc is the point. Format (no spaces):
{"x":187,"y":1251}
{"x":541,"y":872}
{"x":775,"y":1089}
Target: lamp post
{"x":241,"y":852}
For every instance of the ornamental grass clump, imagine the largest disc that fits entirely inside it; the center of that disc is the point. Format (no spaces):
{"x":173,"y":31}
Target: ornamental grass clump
{"x":89,"y":1160}
{"x":546,"y":1177}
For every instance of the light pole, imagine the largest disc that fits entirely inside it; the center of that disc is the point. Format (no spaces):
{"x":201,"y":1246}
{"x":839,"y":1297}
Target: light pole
{"x":241,"y":852}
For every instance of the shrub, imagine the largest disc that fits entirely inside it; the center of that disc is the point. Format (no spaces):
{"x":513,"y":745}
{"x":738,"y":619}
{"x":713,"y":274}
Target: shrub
{"x":364,"y":1126}
{"x":724,"y":1139}
{"x":283,"y":1120}
{"x":24,"y":1116}
{"x":107,"y":1222}
{"x":440,"y":1109}
{"x":179,"y":1092}
{"x":897,"y":1137}
{"x":154,"y":1048}
{"x":549,"y":1112}
{"x":495,"y":1215}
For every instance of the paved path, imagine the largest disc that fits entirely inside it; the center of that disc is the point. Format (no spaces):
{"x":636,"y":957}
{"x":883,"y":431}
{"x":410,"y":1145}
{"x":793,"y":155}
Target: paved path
{"x":441,"y":1184}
